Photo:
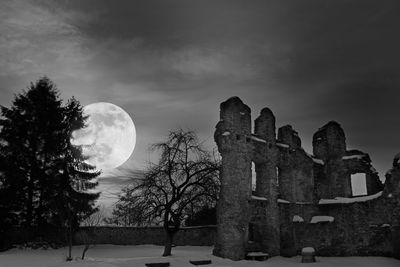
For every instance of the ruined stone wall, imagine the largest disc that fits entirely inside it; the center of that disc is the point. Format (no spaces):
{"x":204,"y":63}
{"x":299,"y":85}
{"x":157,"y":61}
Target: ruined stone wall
{"x":369,"y":226}
{"x":329,"y":144}
{"x":356,"y":161}
{"x":392,"y":194}
{"x":289,"y":186}
{"x":265,"y":160}
{"x":289,"y":212}
{"x":296,"y":174}
{"x":357,"y":229}
{"x":232,"y":136}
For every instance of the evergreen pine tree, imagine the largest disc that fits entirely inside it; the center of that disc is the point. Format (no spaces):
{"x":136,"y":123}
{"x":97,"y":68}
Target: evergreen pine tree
{"x":44,"y":179}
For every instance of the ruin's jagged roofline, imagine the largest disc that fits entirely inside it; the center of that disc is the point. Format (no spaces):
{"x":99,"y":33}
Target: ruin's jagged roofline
{"x":326,"y":174}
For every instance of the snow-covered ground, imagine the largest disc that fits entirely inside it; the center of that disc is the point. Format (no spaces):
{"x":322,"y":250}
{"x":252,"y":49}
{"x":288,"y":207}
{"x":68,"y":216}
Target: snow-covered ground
{"x":132,"y":256}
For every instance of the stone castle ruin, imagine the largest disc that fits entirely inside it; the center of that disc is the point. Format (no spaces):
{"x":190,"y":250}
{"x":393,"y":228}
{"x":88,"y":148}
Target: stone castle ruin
{"x":299,"y":199}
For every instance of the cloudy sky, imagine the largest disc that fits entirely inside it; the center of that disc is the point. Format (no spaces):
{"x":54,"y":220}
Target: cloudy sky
{"x":170,"y":63}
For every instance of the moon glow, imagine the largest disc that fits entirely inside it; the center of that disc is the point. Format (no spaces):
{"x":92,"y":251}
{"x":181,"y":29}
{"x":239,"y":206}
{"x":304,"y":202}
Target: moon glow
{"x":109,"y":137}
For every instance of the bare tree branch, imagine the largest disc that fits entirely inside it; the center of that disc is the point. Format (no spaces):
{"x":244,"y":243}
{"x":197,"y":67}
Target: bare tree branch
{"x":184,"y":180}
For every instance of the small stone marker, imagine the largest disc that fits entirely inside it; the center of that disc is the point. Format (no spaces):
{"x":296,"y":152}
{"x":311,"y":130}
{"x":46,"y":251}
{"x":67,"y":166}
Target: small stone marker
{"x":257,"y":256}
{"x":200,"y":262}
{"x":308,"y":255}
{"x":157,"y":264}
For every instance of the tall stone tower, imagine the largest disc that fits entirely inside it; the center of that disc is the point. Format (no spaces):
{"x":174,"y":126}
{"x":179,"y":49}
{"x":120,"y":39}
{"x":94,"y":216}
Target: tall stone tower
{"x":265,"y":161}
{"x":233,"y":138}
{"x":329,"y":144}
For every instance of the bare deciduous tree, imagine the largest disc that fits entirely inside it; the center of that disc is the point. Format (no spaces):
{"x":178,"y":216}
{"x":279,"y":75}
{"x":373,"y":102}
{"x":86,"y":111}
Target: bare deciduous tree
{"x":185,"y":179}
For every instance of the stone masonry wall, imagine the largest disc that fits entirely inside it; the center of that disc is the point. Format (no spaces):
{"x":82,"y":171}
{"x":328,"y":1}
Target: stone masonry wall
{"x":392,"y":194}
{"x":357,"y":229}
{"x":329,"y":144}
{"x":290,"y":184}
{"x":187,"y":236}
{"x":232,"y":136}
{"x":193,"y":236}
{"x":265,"y":158}
{"x":296,"y":175}
{"x":359,"y":162}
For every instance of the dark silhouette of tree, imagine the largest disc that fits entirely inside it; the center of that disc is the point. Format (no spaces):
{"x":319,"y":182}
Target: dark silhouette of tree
{"x":184,"y":180}
{"x":43,"y":174}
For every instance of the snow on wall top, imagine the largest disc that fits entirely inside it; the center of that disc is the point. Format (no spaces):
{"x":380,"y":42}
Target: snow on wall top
{"x":259,"y":198}
{"x":357,"y":156}
{"x":307,"y":250}
{"x":317,"y":219}
{"x":298,"y":202}
{"x":258,"y":139}
{"x":282,"y":145}
{"x":297,"y":218}
{"x":318,"y":161}
{"x":345,"y":200}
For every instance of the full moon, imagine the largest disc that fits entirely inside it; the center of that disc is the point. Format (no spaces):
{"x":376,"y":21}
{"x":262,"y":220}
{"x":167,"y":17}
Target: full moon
{"x":109,"y":136}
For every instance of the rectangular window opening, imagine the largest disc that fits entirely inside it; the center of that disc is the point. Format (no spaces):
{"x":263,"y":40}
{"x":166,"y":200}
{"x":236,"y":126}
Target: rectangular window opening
{"x":253,"y":177}
{"x":359,"y":184}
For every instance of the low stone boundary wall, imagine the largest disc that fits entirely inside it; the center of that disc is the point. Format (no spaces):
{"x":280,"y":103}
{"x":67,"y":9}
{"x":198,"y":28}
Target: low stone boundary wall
{"x":187,"y":236}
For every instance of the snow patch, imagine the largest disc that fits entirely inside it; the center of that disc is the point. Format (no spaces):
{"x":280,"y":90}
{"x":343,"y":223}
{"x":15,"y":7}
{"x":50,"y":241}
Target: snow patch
{"x":317,"y":219}
{"x":226,"y":133}
{"x":113,"y":256}
{"x":282,"y":145}
{"x":259,"y":198}
{"x":358,"y":156}
{"x":307,"y":250}
{"x":345,"y":200}
{"x":318,"y":161}
{"x":258,"y":139}
{"x":242,"y":113}
{"x":283,"y":201}
{"x":297,"y":218}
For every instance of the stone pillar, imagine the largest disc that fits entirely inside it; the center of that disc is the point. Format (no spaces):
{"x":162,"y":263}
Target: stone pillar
{"x":392,"y":192}
{"x":329,"y":144}
{"x":265,"y":159}
{"x":233,"y":138}
{"x":287,"y":186}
